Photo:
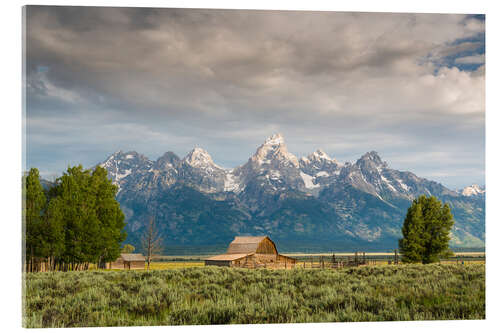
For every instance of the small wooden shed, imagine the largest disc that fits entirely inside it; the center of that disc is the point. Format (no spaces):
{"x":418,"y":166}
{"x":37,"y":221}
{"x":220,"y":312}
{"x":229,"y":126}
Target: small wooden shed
{"x":251,"y":252}
{"x":128,"y":261}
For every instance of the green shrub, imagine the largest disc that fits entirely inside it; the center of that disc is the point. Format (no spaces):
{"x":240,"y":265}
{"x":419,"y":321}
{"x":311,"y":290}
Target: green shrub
{"x":218,"y":295}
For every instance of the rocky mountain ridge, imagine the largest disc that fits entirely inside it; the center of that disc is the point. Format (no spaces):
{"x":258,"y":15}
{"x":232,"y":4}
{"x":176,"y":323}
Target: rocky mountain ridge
{"x":362,"y":202}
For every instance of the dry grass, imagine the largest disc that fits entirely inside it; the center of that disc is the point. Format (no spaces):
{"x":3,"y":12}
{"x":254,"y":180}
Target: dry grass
{"x":175,"y":264}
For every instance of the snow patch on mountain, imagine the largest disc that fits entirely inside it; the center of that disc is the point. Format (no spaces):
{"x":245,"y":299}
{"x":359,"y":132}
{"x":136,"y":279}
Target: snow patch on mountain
{"x":275,"y":175}
{"x":231,"y":183}
{"x":123,"y":175}
{"x":308,"y":181}
{"x":403,"y":185}
{"x":388,"y":183}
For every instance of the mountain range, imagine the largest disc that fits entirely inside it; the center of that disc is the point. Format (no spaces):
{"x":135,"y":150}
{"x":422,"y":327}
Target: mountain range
{"x":312,"y":203}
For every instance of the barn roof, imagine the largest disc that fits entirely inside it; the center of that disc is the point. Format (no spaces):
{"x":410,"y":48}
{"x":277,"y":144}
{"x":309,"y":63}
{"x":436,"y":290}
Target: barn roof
{"x":132,"y":257}
{"x":228,"y":257}
{"x":245,"y":244}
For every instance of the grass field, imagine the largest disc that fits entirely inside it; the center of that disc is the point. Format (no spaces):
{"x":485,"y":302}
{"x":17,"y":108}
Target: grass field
{"x":176,"y":264}
{"x":161,"y":265}
{"x":217,"y":295}
{"x":201,"y":257}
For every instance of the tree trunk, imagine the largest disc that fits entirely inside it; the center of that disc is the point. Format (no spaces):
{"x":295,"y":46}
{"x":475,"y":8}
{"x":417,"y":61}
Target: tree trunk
{"x":31,"y":260}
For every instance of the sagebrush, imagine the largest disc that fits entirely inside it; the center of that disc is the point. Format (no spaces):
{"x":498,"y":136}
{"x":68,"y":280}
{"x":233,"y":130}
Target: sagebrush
{"x":216,"y":295}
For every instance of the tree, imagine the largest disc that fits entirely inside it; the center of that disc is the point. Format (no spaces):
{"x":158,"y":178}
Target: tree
{"x":84,"y":219}
{"x":34,"y":202}
{"x":127,"y":248}
{"x":53,"y":233}
{"x":426,"y":231}
{"x":76,"y":203}
{"x":111,"y":219}
{"x":151,"y":240}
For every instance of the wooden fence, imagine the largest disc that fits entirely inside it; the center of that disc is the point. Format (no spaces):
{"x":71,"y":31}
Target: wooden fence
{"x":336,"y":261}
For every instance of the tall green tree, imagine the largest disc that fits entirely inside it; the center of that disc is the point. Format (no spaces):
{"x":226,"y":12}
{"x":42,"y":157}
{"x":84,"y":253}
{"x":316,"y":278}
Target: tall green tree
{"x":34,"y":201}
{"x":411,"y":245}
{"x":111,"y":218}
{"x":92,"y":218}
{"x":426,"y":231}
{"x":81,"y":223}
{"x":75,"y":203}
{"x":53,"y":232}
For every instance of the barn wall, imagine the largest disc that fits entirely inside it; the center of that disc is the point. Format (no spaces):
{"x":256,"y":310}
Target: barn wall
{"x":117,"y":264}
{"x":137,"y":265}
{"x":249,"y":260}
{"x":287,"y":259}
{"x":266,"y":246}
{"x":265,"y":258}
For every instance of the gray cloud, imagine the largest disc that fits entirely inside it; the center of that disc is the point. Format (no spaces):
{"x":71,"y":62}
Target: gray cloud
{"x":154,"y":80}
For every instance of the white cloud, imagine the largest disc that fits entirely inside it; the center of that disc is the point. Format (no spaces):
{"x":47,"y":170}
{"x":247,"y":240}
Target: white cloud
{"x":473,"y":59}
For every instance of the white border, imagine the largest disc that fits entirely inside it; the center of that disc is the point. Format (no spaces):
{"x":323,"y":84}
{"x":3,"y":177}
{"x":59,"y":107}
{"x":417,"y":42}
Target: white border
{"x":11,"y":152}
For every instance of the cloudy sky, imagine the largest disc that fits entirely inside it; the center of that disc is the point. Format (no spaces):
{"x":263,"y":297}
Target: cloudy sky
{"x":409,"y":86}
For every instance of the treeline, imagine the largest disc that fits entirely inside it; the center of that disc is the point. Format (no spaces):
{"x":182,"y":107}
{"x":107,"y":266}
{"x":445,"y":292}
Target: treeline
{"x":72,"y":224}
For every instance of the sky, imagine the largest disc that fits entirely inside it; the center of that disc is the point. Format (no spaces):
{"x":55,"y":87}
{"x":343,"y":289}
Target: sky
{"x":409,"y":86}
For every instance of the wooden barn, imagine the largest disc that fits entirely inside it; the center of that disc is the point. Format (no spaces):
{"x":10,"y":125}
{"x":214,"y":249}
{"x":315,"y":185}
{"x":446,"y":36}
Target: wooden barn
{"x":128,"y":261}
{"x":252,"y":252}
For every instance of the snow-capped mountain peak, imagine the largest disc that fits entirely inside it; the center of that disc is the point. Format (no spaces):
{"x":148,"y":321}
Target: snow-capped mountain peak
{"x":320,"y":155}
{"x":372,"y":159}
{"x":131,"y":159}
{"x":200,"y":158}
{"x":122,"y":164}
{"x":473,"y":190}
{"x":274,"y":151}
{"x":274,"y":168}
{"x":275,"y":139}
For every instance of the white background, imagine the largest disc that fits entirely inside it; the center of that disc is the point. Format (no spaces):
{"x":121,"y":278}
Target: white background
{"x":11,"y":155}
